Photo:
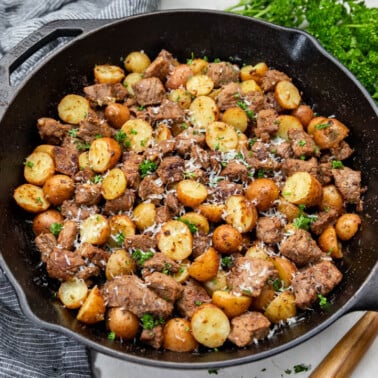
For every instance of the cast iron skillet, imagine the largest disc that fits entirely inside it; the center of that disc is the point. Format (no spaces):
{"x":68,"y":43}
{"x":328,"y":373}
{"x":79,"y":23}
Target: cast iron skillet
{"x":326,"y":84}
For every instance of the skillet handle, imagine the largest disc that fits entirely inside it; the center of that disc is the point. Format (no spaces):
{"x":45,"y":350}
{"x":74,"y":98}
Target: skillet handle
{"x":15,"y":57}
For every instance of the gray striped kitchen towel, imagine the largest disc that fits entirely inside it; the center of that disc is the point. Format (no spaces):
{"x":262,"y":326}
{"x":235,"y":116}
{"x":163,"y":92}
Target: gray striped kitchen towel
{"x":26,"y":350}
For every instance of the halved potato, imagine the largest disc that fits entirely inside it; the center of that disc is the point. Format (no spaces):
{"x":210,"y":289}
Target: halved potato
{"x":104,"y":154}
{"x":287,"y":94}
{"x":181,"y":96}
{"x":183,"y":274}
{"x":219,"y":282}
{"x":73,"y":293}
{"x":120,"y":262}
{"x":236,"y":117}
{"x":262,"y":192}
{"x":203,"y":111}
{"x":39,"y":166}
{"x":290,"y":210}
{"x":212,"y":211}
{"x":107,"y":73}
{"x":31,"y":198}
{"x":281,"y":307}
{"x":43,"y":221}
{"x":191,"y":193}
{"x":95,"y":229}
{"x":329,"y":134}
{"x":285,"y":268}
{"x":175,"y":240}
{"x":130,"y":80}
{"x":139,"y":133}
{"x":329,"y":243}
{"x":199,"y":85}
{"x":144,"y":215}
{"x":93,"y":309}
{"x":240,"y":213}
{"x":47,"y":148}
{"x":210,"y":325}
{"x":162,"y":132}
{"x":73,"y":108}
{"x":255,"y":72}
{"x":122,"y":322}
{"x":84,"y":160}
{"x":301,"y":188}
{"x":113,"y":184}
{"x":285,"y":123}
{"x":178,"y":336}
{"x":121,"y":226}
{"x":249,"y":86}
{"x":198,"y":66}
{"x":331,"y":198}
{"x":232,"y":305}
{"x":221,"y":137}
{"x":137,"y":61}
{"x":258,"y":250}
{"x":205,"y":266}
{"x":197,"y":220}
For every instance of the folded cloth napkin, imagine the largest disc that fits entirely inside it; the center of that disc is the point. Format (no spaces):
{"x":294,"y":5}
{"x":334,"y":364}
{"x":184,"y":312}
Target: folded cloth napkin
{"x":26,"y":350}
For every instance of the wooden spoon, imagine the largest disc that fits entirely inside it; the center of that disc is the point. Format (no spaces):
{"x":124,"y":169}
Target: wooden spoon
{"x":346,"y":354}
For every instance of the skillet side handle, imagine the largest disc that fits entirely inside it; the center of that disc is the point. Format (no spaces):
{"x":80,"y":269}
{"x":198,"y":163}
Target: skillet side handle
{"x":367,"y":298}
{"x":32,"y":43}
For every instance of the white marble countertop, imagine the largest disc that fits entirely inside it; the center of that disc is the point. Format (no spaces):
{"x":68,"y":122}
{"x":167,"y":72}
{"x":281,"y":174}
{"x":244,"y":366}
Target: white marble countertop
{"x":309,"y":353}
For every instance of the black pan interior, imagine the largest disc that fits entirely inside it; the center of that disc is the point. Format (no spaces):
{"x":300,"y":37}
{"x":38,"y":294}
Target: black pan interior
{"x":327,"y":86}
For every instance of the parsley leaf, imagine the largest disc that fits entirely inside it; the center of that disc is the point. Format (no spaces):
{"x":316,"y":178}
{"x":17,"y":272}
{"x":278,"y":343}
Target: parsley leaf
{"x":141,"y":257}
{"x":146,"y":167}
{"x":55,"y":228}
{"x":192,"y":227}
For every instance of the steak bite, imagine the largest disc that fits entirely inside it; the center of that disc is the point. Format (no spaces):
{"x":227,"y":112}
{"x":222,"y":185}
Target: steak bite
{"x":168,"y":110}
{"x":52,"y":131}
{"x":45,"y":242}
{"x":104,"y":94}
{"x":248,"y":327}
{"x":320,"y":278}
{"x":301,"y":248}
{"x":122,"y":203}
{"x":248,"y":275}
{"x":222,"y":73}
{"x":142,"y":242}
{"x":171,"y":169}
{"x":302,"y":143}
{"x":132,"y":294}
{"x":235,"y":171}
{"x":161,"y":66}
{"x":71,"y":210}
{"x":228,"y":96}
{"x":266,"y":123}
{"x":95,"y":255}
{"x":271,"y":78}
{"x":130,"y":167}
{"x":159,"y":262}
{"x":151,"y":188}
{"x":323,"y":220}
{"x":153,"y":337}
{"x":68,"y":234}
{"x":269,"y":229}
{"x":93,"y":126}
{"x":149,"y":91}
{"x":290,"y":166}
{"x":342,"y":151}
{"x":88,"y":194}
{"x":348,"y":182}
{"x":164,"y":286}
{"x":66,"y":160}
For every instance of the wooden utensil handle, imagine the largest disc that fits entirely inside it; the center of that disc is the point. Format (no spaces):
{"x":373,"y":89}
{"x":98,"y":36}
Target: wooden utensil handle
{"x":346,"y":354}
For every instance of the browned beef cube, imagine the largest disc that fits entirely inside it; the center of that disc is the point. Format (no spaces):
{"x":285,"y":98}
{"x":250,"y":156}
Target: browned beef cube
{"x":222,"y":73}
{"x":342,"y":151}
{"x":248,"y":275}
{"x":71,"y":210}
{"x":201,"y":244}
{"x":66,"y":160}
{"x":290,"y":166}
{"x":173,"y":204}
{"x":88,"y":194}
{"x":104,"y":94}
{"x":162,"y":214}
{"x":323,"y":220}
{"x":348,"y":182}
{"x":130,"y":168}
{"x":149,"y":91}
{"x":142,"y":242}
{"x":122,"y":203}
{"x":318,"y":279}
{"x":167,"y":110}
{"x":150,"y":188}
{"x":302,"y":143}
{"x":225,"y":189}
{"x":161,"y":66}
{"x":160,"y":149}
{"x":271,"y":78}
{"x":228,"y":96}
{"x":235,"y":171}
{"x":95,"y":255}
{"x":68,"y":235}
{"x":269,"y":229}
{"x":63,"y":264}
{"x":301,"y":248}
{"x":45,"y":242}
{"x":266,"y":123}
{"x":164,"y":286}
{"x":248,"y":327}
{"x":153,"y":337}
{"x":171,"y":169}
{"x":160,"y":262}
{"x":52,"y":131}
{"x":93,"y":127}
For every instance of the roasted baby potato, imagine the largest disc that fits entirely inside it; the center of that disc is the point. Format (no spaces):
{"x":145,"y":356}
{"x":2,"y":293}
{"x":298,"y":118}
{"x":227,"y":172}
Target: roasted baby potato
{"x":213,"y":212}
{"x":285,"y":123}
{"x":73,"y":293}
{"x":139,"y":134}
{"x":175,"y":240}
{"x":73,"y":108}
{"x":304,"y":113}
{"x":347,"y":226}
{"x":178,"y":336}
{"x":43,"y":221}
{"x":290,"y":210}
{"x":93,"y":309}
{"x":58,"y":188}
{"x":219,"y":282}
{"x":122,"y":322}
{"x":121,"y":226}
{"x":39,"y":166}
{"x":199,"y":221}
{"x":232,"y":305}
{"x":329,"y":243}
{"x":249,"y":86}
{"x":107,"y":73}
{"x":287,"y":94}
{"x":181,"y":96}
{"x":236,"y":117}
{"x":227,"y":239}
{"x":95,"y":229}
{"x":262,"y":192}
{"x":199,"y":85}
{"x":331,"y":198}
{"x":258,"y":250}
{"x":179,"y":76}
{"x":130,"y":80}
{"x":301,"y":188}
{"x":31,"y":198}
{"x":240,"y":213}
{"x":104,"y":154}
{"x":120,"y":262}
{"x":113,"y":184}
{"x":221,"y":137}
{"x":137,"y":61}
{"x":198,"y":66}
{"x":285,"y":268}
{"x":183,"y":274}
{"x":203,"y":111}
{"x":191,"y":193}
{"x":117,"y":114}
{"x":255,"y":72}
{"x":330,"y":133}
{"x":144,"y":215}
{"x":205,"y":266}
{"x":47,"y":148}
{"x":281,"y":307}
{"x":210,"y":325}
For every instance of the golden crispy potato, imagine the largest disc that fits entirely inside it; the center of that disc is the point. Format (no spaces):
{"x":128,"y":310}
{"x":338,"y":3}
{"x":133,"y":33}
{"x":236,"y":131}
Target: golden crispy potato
{"x":104,"y":154}
{"x":236,"y":117}
{"x":181,"y":96}
{"x":198,"y":66}
{"x":262,"y":192}
{"x":266,"y":296}
{"x":205,"y":266}
{"x":219,"y":282}
{"x":84,"y":160}
{"x":329,"y":134}
{"x":183,"y":274}
{"x":191,"y":193}
{"x":93,"y":309}
{"x":31,"y":198}
{"x":137,"y":61}
{"x":329,"y":243}
{"x":175,"y":240}
{"x":331,"y":198}
{"x":199,"y":85}
{"x":285,"y":123}
{"x":144,"y":215}
{"x":198,"y":220}
{"x":121,"y":226}
{"x":119,"y":263}
{"x":95,"y":229}
{"x":43,"y":221}
{"x":285,"y":268}
{"x":250,"y":86}
{"x":301,"y":188}
{"x":227,"y":239}
{"x":73,"y":293}
{"x":321,"y":121}
{"x":130,"y":80}
{"x":47,"y":148}
{"x":203,"y":111}
{"x":114,"y":184}
{"x":347,"y":226}
{"x":281,"y":307}
{"x":73,"y":108}
{"x":107,"y":73}
{"x":117,"y":114}
{"x":162,"y":132}
{"x":221,"y":137}
{"x":258,"y":250}
{"x":290,"y":210}
{"x":38,"y":167}
{"x":287,"y":94}
{"x":210,"y":325}
{"x":122,"y":322}
{"x":178,"y":336}
{"x":139,"y":134}
{"x":58,"y":188}
{"x":243,"y":142}
{"x":179,"y":76}
{"x":240,"y":213}
{"x":304,"y":113}
{"x":212,"y":211}
{"x":255,"y":72}
{"x":232,"y":305}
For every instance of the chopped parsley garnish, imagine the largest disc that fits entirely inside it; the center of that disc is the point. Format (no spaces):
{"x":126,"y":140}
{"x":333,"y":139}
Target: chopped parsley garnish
{"x":336,"y":164}
{"x":301,"y":368}
{"x":192,"y":227}
{"x":141,"y":107}
{"x":141,"y":257}
{"x":122,"y":138}
{"x":111,"y":336}
{"x":227,"y":262}
{"x":323,"y":303}
{"x":304,"y":221}
{"x":277,"y":285}
{"x":133,"y":132}
{"x":98,"y":136}
{"x":198,"y":303}
{"x":146,"y":167}
{"x":302,"y":143}
{"x":73,"y":132}
{"x":29,"y":164}
{"x":322,"y":126}
{"x":167,"y":268}
{"x":55,"y":228}
{"x":148,"y":322}
{"x":217,"y":60}
{"x":189,"y":175}
{"x":120,"y":238}
{"x":260,"y":173}
{"x":83,"y":146}
{"x":97,"y":179}
{"x":252,"y":142}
